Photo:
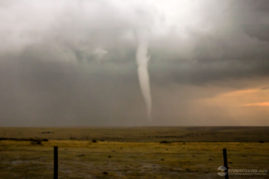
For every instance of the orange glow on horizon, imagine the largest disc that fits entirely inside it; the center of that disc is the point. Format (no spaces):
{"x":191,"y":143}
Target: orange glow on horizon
{"x":261,"y":104}
{"x":242,"y":92}
{"x":253,"y":97}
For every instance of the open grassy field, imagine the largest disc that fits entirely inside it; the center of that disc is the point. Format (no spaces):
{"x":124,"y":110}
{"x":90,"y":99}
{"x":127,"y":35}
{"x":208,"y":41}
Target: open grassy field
{"x":144,"y":134}
{"x":132,"y":152}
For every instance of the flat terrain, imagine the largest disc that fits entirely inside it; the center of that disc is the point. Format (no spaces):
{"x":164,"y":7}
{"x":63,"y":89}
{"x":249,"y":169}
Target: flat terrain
{"x":150,"y":152}
{"x":143,"y":134}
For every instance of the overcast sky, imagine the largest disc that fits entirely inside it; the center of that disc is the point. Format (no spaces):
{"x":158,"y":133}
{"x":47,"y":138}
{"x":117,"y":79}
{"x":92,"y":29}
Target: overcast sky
{"x":73,"y":63}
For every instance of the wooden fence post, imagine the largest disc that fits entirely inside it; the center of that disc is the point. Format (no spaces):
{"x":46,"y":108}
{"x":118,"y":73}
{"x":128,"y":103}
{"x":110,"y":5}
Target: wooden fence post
{"x":55,"y":162}
{"x":225,"y":162}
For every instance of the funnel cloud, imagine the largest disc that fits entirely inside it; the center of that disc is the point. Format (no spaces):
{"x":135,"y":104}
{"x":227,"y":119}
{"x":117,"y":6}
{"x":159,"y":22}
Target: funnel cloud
{"x":142,"y":59}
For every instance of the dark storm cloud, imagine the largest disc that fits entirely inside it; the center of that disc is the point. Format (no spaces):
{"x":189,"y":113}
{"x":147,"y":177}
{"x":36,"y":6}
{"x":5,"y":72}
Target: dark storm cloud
{"x":259,"y":31}
{"x":73,"y":62}
{"x":234,"y":38}
{"x":237,"y":47}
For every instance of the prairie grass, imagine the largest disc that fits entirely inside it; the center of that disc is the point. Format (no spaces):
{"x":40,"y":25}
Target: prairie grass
{"x":85,"y":159}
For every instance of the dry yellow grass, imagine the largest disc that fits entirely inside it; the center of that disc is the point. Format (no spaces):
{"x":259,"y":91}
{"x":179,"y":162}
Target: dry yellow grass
{"x":85,"y":159}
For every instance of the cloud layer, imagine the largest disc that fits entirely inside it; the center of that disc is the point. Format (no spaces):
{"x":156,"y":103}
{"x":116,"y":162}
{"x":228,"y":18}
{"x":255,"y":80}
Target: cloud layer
{"x":73,"y":62}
